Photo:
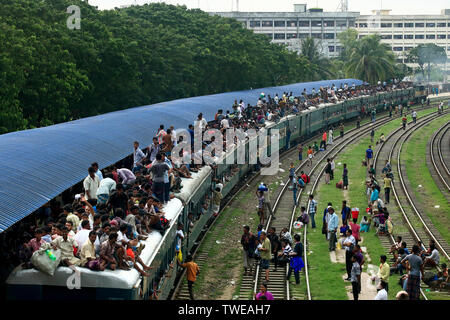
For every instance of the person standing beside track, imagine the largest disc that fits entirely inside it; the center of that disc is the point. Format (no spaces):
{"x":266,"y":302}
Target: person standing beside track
{"x":265,"y":253}
{"x":330,"y":136}
{"x":332,"y":227}
{"x":300,"y":152}
{"x":248,"y":242}
{"x":414,"y":116}
{"x":192,"y":271}
{"x":369,"y":155}
{"x":341,"y":129}
{"x":312,"y":210}
{"x":404,"y":121}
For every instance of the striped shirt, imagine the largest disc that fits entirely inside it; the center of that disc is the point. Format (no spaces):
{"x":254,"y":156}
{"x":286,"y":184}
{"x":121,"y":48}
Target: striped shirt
{"x":312,"y":206}
{"x":287,"y":250}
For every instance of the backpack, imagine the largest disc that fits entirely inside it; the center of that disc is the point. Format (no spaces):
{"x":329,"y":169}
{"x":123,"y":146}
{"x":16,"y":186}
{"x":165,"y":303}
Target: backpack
{"x":307,"y":179}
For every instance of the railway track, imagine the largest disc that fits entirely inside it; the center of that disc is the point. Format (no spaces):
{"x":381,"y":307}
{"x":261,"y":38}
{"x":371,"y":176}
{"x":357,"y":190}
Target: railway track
{"x":285,"y":215}
{"x":249,"y":283}
{"x":410,"y":224}
{"x":438,"y":146}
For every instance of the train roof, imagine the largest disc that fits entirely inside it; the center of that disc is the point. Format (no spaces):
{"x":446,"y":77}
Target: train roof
{"x":119,"y":279}
{"x":39,"y":164}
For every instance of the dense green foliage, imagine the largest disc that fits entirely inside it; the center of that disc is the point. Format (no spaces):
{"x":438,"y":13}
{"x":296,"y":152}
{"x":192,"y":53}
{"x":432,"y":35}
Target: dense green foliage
{"x":124,"y":58}
{"x":426,"y":54}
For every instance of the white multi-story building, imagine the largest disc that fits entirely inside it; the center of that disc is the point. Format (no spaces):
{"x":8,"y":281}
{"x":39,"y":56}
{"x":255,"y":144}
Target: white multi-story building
{"x":290,"y":28}
{"x":401,"y":32}
{"x":404,"y":32}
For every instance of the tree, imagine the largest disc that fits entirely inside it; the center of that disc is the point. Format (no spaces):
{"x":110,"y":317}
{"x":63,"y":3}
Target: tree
{"x":127,"y":57}
{"x":348,"y":40}
{"x":371,"y":60}
{"x":320,"y":66}
{"x":426,"y":54}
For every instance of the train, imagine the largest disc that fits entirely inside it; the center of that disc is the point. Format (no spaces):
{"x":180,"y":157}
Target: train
{"x":160,"y":250}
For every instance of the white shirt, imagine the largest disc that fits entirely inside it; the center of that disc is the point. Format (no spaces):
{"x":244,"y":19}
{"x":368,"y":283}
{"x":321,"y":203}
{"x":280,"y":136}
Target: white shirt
{"x":107,"y":185}
{"x":381,"y":295}
{"x":82,"y":236}
{"x":224,"y":123}
{"x":91,"y":186}
{"x":121,"y":236}
{"x":202,"y":123}
{"x":350,"y":239}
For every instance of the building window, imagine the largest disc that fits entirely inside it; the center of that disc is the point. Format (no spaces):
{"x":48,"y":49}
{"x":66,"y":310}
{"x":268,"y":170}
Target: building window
{"x":255,"y":24}
{"x":441,"y":36}
{"x":398,"y":25}
{"x":292,"y":23}
{"x":386,"y":25}
{"x":431,"y":24}
{"x":397,"y":48}
{"x":303,"y":35}
{"x":303,"y":23}
{"x":420,"y":25}
{"x":374,"y":25}
{"x":330,"y":48}
{"x":267,"y":23}
{"x":316,"y":23}
{"x":269,"y":35}
{"x":440,"y":24}
{"x":386,"y":36}
{"x":409,"y":25}
{"x":431,"y":36}
{"x":420,"y":36}
{"x":329,"y":23}
{"x":279,"y":36}
{"x":291,"y":36}
{"x":361,"y":36}
{"x":363,"y":25}
{"x":399,"y":60}
{"x":398,"y":36}
{"x":339,"y":49}
{"x":316,"y":35}
{"x":341,"y":23}
{"x":280,"y":24}
{"x":351,"y":24}
{"x":408,"y":48}
{"x":409,"y":36}
{"x":328,"y":35}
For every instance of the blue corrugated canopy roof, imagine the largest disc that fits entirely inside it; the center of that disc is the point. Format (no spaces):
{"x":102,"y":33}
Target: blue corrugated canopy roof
{"x":39,"y":164}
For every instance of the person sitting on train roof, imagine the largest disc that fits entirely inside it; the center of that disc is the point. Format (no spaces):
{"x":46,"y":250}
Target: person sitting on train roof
{"x":66,"y":245}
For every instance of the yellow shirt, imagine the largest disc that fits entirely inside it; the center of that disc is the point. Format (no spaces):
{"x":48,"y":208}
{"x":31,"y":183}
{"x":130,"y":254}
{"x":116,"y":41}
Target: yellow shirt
{"x":87,"y":251}
{"x":384,"y":272}
{"x":387,"y":182}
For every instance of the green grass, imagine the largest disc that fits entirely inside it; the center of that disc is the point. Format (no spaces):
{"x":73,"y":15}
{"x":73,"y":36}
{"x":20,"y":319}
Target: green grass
{"x":413,"y":155}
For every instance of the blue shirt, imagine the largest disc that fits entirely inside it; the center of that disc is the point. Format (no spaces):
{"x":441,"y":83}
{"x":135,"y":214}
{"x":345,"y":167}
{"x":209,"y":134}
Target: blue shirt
{"x":369,"y":153}
{"x":333,"y":223}
{"x":374,"y":195}
{"x":99,"y":174}
{"x":345,"y":212}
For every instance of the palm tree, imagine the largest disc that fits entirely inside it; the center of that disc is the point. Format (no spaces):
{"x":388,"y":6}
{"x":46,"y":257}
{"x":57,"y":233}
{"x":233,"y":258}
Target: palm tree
{"x":320,"y":65}
{"x":370,"y":60}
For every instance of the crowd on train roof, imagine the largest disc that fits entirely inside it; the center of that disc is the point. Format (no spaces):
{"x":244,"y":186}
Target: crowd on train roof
{"x":101,"y":226}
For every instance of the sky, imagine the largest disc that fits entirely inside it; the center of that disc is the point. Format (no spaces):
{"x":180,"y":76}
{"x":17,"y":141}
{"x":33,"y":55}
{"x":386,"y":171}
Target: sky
{"x":362,"y":6}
